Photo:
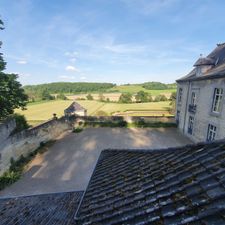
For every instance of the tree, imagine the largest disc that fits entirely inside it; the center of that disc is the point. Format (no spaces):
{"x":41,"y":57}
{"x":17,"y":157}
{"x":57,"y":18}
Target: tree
{"x":160,"y":98}
{"x":45,"y":95}
{"x":173,"y":102}
{"x":101,"y":97}
{"x":12,"y":95}
{"x":89,"y":97}
{"x":142,"y":96}
{"x":61,"y":96}
{"x":125,"y":98}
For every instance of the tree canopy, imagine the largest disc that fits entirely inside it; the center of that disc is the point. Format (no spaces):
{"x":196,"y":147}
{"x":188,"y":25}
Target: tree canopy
{"x":125,"y":98}
{"x":12,"y":95}
{"x":142,"y":96}
{"x":158,"y":86}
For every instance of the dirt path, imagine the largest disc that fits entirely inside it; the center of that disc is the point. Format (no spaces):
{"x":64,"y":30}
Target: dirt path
{"x":68,"y":164}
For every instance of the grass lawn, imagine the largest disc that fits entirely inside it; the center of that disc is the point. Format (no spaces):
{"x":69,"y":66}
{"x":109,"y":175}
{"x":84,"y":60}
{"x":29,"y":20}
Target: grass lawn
{"x":135,"y":88}
{"x":150,"y":106}
{"x":42,"y":111}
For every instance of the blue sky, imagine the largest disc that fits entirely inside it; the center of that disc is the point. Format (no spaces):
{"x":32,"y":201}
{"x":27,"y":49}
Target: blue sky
{"x":119,"y":41}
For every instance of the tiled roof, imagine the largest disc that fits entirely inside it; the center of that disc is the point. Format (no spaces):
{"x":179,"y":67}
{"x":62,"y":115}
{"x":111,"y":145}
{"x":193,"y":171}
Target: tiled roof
{"x":52,"y":209}
{"x":173,"y":186}
{"x":204,"y":61}
{"x":215,"y":58}
{"x":74,"y":107}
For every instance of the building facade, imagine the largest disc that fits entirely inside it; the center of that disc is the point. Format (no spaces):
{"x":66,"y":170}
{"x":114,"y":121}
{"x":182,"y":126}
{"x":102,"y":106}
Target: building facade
{"x":75,"y":109}
{"x":200,"y":112}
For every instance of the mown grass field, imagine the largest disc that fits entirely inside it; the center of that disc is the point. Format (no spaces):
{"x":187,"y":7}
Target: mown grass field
{"x":42,"y":111}
{"x":133,"y":89}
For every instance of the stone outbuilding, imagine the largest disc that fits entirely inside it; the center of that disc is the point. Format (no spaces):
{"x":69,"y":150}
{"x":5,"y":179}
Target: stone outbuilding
{"x":75,"y":109}
{"x":200,"y":104}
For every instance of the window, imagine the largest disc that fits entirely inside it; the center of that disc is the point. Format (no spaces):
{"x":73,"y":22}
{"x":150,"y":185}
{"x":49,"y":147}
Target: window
{"x":190,"y":124}
{"x":180,"y":95}
{"x":211,"y":132}
{"x":217,"y":100}
{"x":193,"y":98}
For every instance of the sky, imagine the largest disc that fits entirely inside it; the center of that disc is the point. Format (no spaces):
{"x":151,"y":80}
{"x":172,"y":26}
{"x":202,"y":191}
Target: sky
{"x":118,"y":41}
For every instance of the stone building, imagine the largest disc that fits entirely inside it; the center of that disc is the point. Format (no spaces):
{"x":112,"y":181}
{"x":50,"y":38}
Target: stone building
{"x":200,"y":104}
{"x":75,"y":109}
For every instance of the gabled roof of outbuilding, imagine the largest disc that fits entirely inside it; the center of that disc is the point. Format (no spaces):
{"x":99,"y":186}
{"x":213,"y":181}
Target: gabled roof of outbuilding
{"x":216,"y":58}
{"x":54,"y":209}
{"x":174,"y":186}
{"x":74,"y":107}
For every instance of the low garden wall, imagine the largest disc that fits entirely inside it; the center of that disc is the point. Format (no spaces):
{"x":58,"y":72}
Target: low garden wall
{"x":123,"y":121}
{"x":26,"y":141}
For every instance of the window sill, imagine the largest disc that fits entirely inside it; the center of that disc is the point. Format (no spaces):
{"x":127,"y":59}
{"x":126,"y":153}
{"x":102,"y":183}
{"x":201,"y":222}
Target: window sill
{"x":215,"y":114}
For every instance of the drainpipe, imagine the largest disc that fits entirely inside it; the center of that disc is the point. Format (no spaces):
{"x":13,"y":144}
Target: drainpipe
{"x":185,"y":115}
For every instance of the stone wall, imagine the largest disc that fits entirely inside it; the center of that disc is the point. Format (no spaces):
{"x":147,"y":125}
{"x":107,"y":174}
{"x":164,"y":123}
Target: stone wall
{"x":203,"y":116}
{"x":6,"y":128}
{"x":129,"y":119}
{"x":28,"y":140}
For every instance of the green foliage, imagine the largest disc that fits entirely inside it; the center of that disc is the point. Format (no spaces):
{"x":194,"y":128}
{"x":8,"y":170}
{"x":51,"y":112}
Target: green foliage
{"x":89,"y":97}
{"x":101,"y":97}
{"x":69,"y":87}
{"x":61,"y":96}
{"x":125,"y":98}
{"x":16,"y":168}
{"x":160,"y":98}
{"x":21,"y":122}
{"x":45,"y":95}
{"x":173,"y":102}
{"x":142,"y":96}
{"x":77,"y":130}
{"x":158,"y":86}
{"x":12,"y":95}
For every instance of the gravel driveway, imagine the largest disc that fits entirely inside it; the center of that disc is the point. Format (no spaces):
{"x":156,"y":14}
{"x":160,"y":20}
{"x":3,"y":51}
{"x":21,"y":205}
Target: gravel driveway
{"x":68,"y":164}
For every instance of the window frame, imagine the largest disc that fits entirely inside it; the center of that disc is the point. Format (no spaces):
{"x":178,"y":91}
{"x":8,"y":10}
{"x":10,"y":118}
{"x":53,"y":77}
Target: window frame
{"x":193,"y":98}
{"x":217,"y":100}
{"x":180,"y":94}
{"x":190,"y":125}
{"x":211,"y":133}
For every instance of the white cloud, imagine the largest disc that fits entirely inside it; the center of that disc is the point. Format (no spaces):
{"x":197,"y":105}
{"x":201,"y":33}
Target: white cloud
{"x":71,"y":68}
{"x":21,"y":62}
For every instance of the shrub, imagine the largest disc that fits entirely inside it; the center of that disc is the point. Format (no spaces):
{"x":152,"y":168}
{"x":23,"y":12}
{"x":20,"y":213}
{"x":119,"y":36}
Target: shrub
{"x":77,"y":130}
{"x":89,"y":97}
{"x":21,"y":123}
{"x":160,"y":98}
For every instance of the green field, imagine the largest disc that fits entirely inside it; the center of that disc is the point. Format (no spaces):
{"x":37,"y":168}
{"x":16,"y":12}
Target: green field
{"x":42,"y":111}
{"x":135,"y":88}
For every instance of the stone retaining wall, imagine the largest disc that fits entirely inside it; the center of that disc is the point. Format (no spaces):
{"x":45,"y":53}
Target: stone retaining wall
{"x":28,"y":140}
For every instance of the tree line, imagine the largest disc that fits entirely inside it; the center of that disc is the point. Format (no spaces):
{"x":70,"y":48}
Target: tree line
{"x":158,"y":86}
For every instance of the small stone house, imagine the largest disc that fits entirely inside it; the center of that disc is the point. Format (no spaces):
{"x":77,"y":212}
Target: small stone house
{"x":200,"y":112}
{"x":75,"y":109}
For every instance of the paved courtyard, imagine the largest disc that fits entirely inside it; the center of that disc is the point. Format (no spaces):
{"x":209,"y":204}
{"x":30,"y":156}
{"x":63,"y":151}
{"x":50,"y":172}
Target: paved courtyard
{"x":68,"y":164}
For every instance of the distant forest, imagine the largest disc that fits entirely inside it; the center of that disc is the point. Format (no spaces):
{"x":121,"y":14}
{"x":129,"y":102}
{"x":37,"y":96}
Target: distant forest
{"x":84,"y":87}
{"x":69,"y":87}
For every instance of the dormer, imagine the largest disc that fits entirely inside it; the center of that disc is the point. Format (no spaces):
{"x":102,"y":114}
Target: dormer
{"x":203,"y":64}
